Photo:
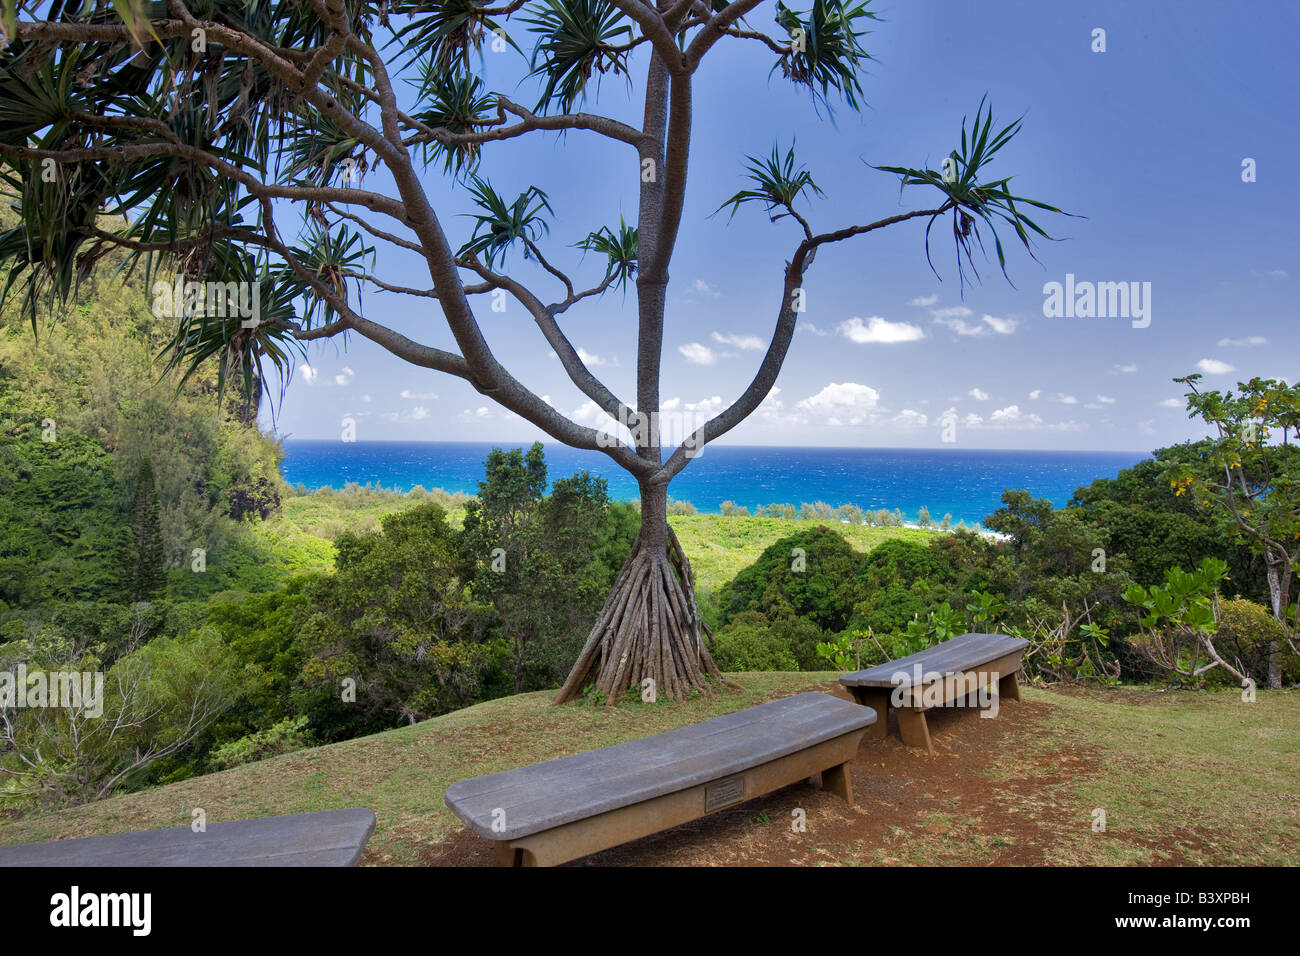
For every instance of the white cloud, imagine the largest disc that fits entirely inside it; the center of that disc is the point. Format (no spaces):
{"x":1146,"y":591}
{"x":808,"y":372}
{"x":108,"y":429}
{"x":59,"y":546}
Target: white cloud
{"x":925,"y":301}
{"x":1000,"y":326}
{"x":698,"y":354}
{"x":421,"y":396}
{"x":1215,"y":367}
{"x":1106,"y":399}
{"x":365,"y":398}
{"x":589,"y":413}
{"x":1093,"y":406}
{"x":311,"y":376}
{"x":809,"y":327}
{"x":700,"y":287}
{"x":1065,"y":399}
{"x":1147,"y":427}
{"x":1173,"y":403}
{"x":1033,"y":396}
{"x":750,"y":342}
{"x":705,"y":406}
{"x":961,"y":327}
{"x":1244,"y":343}
{"x":978,"y":394}
{"x":954,"y":317}
{"x":669,"y":405}
{"x":1012,"y":416}
{"x":879,"y":331}
{"x":845,"y":403}
{"x":417,"y":414}
{"x":1129,"y":369}
{"x":910,"y":418}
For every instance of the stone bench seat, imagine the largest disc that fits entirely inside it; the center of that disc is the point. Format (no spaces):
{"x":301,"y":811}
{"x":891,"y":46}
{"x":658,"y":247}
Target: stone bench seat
{"x":937,"y":677}
{"x":327,"y":838}
{"x":563,"y":809}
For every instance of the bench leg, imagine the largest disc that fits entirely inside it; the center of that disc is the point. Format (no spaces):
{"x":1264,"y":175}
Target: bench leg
{"x":1009,"y":687}
{"x":837,"y":780}
{"x":912,"y":728}
{"x":503,"y":854}
{"x":877,"y":700}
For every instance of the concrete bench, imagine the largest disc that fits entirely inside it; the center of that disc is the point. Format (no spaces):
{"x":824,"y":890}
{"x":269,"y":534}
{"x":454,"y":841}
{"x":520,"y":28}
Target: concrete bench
{"x":552,"y":812}
{"x":328,"y":838}
{"x":936,"y":677}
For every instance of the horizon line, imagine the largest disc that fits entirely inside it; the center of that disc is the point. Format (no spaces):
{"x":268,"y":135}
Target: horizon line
{"x":512,"y":443}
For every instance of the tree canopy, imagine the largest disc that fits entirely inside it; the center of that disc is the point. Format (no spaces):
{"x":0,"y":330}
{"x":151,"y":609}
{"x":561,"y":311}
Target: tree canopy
{"x":230,"y":149}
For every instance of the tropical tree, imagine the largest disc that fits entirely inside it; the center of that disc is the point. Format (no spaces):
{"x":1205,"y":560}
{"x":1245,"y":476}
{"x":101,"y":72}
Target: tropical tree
{"x":538,"y":559}
{"x":148,"y":562}
{"x":1258,"y":488}
{"x":187,"y":132}
{"x":1179,"y":620}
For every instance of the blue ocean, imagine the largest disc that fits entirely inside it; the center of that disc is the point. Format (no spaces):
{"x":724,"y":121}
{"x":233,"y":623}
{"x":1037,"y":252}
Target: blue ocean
{"x":967,"y":484}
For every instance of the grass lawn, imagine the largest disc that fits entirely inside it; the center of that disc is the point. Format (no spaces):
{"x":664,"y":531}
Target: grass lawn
{"x":1195,"y":775}
{"x":718,"y":546}
{"x":1184,"y":777}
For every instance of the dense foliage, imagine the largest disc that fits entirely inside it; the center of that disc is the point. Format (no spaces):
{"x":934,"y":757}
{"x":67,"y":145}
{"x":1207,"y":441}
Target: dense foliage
{"x":1066,"y":578}
{"x":140,"y":538}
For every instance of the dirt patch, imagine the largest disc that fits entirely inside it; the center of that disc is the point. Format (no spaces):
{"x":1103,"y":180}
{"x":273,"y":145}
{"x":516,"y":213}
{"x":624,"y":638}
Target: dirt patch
{"x":972,"y":803}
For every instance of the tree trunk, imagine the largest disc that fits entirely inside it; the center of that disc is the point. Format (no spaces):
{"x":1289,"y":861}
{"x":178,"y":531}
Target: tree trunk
{"x":1279,"y":612}
{"x":650,"y":627}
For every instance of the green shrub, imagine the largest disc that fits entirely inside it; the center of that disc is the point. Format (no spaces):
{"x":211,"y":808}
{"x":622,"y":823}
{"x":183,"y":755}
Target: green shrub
{"x":282,"y":738}
{"x":1245,"y":631}
{"x":750,"y":648}
{"x":802,"y":637}
{"x":808,"y":574}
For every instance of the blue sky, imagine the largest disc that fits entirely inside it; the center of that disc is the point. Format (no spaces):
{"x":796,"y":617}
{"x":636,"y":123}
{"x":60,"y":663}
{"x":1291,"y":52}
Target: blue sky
{"x":1146,"y":140}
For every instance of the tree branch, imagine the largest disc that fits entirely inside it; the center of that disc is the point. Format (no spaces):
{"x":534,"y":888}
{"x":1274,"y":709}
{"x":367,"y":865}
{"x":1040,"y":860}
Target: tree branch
{"x":765,"y":378}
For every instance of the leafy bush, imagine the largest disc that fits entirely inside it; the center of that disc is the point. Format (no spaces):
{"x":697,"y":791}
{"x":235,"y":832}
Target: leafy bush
{"x":155,"y":704}
{"x":285,"y":737}
{"x":748,"y":648}
{"x":807,"y":574}
{"x":1245,"y":632}
{"x":801,"y":636}
{"x":837,"y":654}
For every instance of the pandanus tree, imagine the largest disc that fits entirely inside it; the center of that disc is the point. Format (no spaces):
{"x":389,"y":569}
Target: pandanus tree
{"x":184,"y":134}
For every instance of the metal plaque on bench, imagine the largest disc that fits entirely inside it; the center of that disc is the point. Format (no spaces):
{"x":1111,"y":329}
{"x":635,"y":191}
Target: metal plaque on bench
{"x":724,"y":794}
